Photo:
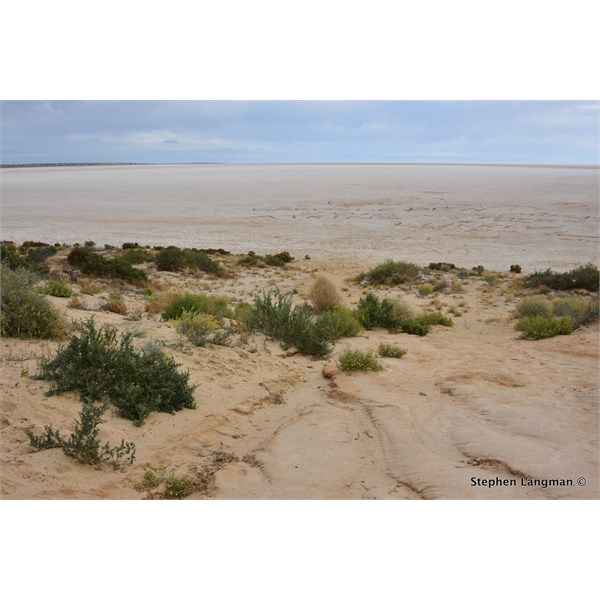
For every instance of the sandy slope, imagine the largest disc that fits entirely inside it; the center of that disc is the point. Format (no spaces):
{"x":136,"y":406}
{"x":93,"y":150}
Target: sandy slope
{"x":468,"y":401}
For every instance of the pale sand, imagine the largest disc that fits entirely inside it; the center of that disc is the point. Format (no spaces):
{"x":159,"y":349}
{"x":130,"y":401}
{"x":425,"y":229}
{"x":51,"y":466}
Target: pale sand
{"x":539,"y":217}
{"x":468,"y":401}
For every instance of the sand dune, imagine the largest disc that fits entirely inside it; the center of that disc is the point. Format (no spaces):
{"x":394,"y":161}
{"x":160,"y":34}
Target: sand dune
{"x":471,"y":401}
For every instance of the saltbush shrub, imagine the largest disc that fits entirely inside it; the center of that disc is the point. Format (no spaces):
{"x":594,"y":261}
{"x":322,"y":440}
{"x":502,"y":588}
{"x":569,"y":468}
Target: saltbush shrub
{"x":274,"y":315}
{"x":539,"y":327}
{"x":584,"y":277}
{"x":372,"y":313}
{"x":40,"y":255}
{"x":176,"y":259}
{"x":581,"y":310}
{"x":11,"y":257}
{"x":391,"y":273}
{"x":102,"y":365}
{"x":337,"y":322}
{"x":391,"y":351}
{"x":201,"y":329}
{"x":135,"y":256}
{"x":59,"y":289}
{"x":356,"y":360}
{"x":531,"y":307}
{"x":26,"y":312}
{"x":196,"y":303}
{"x":92,"y":263}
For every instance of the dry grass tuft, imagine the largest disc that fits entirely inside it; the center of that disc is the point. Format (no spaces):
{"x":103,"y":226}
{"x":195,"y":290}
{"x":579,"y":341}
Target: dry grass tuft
{"x":323,"y":294}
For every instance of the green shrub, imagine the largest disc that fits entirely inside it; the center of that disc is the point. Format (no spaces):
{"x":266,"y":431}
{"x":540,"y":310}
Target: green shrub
{"x":434,"y":318}
{"x":337,"y":322}
{"x":539,"y":327}
{"x":274,"y":316}
{"x":372,"y":312}
{"x":201,"y":329}
{"x":355,"y":360}
{"x":26,"y":312}
{"x":40,"y":255}
{"x":102,"y":366}
{"x":401,"y":310}
{"x":176,"y":259}
{"x":196,"y":303}
{"x":425,"y":289}
{"x":178,"y":487}
{"x":581,"y":310}
{"x":391,"y":351}
{"x":442,"y":266}
{"x":59,"y":289}
{"x":243,"y":313}
{"x":534,"y":306}
{"x":585,"y":277}
{"x":415,"y":326}
{"x":278,"y":260}
{"x":391,"y":273}
{"x":83,"y":444}
{"x":11,"y":258}
{"x":440,"y":285}
{"x":92,"y":263}
{"x":135,"y":256}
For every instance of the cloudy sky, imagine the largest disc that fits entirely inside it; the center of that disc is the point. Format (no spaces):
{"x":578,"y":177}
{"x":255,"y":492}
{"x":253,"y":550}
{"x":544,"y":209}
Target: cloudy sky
{"x":300,"y":131}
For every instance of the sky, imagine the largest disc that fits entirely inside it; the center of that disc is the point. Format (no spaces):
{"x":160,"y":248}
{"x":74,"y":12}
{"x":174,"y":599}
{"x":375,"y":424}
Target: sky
{"x":555,"y":132}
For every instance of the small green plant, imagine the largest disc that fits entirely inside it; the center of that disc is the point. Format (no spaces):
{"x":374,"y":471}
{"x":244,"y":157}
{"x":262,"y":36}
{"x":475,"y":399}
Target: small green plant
{"x":83,"y":444}
{"x":442,"y":266}
{"x":425,"y":289}
{"x":435,"y":318}
{"x":581,"y":310}
{"x":355,"y":360}
{"x":490,"y":278}
{"x":440,"y":285}
{"x":60,"y":289}
{"x":92,"y":263}
{"x":102,"y":365}
{"x":179,"y":486}
{"x":198,"y":303}
{"x":391,"y":351}
{"x":337,"y":322}
{"x":26,"y":312}
{"x":390,"y":273}
{"x":201,"y":329}
{"x":540,"y":327}
{"x":151,"y":479}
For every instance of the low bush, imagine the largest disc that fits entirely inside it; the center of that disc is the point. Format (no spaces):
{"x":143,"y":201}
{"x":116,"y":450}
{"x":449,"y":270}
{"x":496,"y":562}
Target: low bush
{"x":83,"y":444}
{"x":243,"y":313}
{"x":515,"y":268}
{"x":391,"y":273}
{"x":40,"y":255}
{"x":442,"y":266}
{"x":178,"y":487}
{"x":201,"y":329}
{"x":581,"y":310}
{"x":415,"y":326}
{"x":196,"y":303}
{"x":59,"y":289}
{"x":534,"y":306}
{"x":372,"y":313}
{"x":355,"y":360}
{"x":539,"y":327}
{"x":584,"y":277}
{"x":323,"y":294}
{"x":274,"y":315}
{"x":92,"y":263}
{"x":425,"y":289}
{"x":26,"y":312}
{"x":11,"y":258}
{"x":176,"y":259}
{"x":391,"y":351}
{"x":337,"y":322}
{"x":103,"y":366}
{"x":135,"y":256}
{"x":434,"y":318}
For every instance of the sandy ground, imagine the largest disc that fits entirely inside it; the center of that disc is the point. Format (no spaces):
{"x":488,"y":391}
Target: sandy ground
{"x":471,"y":401}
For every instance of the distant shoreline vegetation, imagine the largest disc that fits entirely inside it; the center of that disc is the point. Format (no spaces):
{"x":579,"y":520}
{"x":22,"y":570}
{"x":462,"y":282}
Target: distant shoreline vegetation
{"x":93,"y":164}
